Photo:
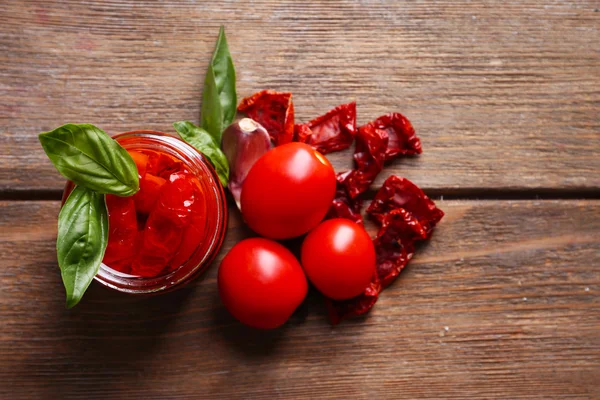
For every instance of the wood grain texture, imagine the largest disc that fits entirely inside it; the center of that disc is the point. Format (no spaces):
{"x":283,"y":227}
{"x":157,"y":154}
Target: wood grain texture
{"x":505,"y":95}
{"x":503,"y":302}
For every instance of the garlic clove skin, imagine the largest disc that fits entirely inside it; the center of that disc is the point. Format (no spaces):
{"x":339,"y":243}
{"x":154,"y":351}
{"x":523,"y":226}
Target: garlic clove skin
{"x":243,"y":142}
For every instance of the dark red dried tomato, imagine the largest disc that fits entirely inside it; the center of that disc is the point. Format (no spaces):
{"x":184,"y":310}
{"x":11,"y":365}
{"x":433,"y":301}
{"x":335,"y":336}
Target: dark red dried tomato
{"x":402,"y":139}
{"x":395,"y":243}
{"x":406,"y":215}
{"x":301,"y":132}
{"x":343,"y":205}
{"x":399,"y":192}
{"x":379,"y":141}
{"x":331,"y":132}
{"x":274,"y":111}
{"x":339,"y":310}
{"x":369,"y":155}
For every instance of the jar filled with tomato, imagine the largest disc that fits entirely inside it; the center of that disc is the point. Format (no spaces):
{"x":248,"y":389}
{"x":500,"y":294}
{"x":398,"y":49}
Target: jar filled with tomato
{"x":171,"y":229}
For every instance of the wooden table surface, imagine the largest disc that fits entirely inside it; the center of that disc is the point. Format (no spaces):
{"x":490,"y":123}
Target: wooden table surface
{"x":502,"y":302}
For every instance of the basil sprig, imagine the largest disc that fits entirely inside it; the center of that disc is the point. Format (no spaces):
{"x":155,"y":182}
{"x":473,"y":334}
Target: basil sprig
{"x":219,"y":99}
{"x":206,"y":144}
{"x":89,"y":157}
{"x":98,"y":165}
{"x":82,"y":240}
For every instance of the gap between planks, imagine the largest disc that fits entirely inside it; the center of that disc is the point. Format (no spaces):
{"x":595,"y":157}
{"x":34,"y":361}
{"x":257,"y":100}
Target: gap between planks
{"x":435,"y":194}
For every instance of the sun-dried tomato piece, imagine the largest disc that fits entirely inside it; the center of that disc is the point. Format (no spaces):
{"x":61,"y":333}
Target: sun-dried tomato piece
{"x":369,"y":155}
{"x":395,"y":243}
{"x":301,"y":133}
{"x":343,"y":205}
{"x":274,"y":111}
{"x":399,"y":192}
{"x":331,"y":132}
{"x":342,"y":309}
{"x":379,"y":141}
{"x":402,"y":139}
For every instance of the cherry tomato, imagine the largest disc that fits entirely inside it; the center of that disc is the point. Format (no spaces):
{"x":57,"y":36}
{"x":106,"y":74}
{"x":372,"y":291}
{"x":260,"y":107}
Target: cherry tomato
{"x":261,"y":283}
{"x":338,"y":257}
{"x":287,"y":191}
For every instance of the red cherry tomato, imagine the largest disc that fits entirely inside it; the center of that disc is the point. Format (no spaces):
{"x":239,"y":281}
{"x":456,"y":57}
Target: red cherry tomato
{"x":287,"y":191}
{"x":338,"y":257}
{"x":261,"y":283}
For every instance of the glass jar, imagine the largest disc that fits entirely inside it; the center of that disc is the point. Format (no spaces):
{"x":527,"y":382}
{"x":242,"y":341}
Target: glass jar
{"x":215,"y":211}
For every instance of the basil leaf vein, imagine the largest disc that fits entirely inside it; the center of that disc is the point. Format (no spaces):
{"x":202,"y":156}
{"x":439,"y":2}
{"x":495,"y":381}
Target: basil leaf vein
{"x":206,"y":144}
{"x":91,"y":158}
{"x":81,"y":241}
{"x":219,"y":99}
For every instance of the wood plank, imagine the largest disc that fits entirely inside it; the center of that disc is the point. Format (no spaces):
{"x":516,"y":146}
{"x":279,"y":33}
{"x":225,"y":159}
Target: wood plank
{"x":503,"y":302}
{"x":504,"y":95}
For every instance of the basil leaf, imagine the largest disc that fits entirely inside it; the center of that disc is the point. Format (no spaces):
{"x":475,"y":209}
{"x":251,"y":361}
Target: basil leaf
{"x":205,"y":144}
{"x":82,"y":240}
{"x":89,"y":157}
{"x":219,"y":99}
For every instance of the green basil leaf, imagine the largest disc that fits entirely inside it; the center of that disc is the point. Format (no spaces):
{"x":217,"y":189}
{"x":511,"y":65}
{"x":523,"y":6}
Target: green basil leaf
{"x":89,"y":157}
{"x":219,"y":99}
{"x":205,"y":144}
{"x":82,"y":240}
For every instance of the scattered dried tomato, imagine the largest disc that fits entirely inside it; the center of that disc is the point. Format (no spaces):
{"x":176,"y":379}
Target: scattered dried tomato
{"x":274,"y":111}
{"x":339,"y":310}
{"x":394,"y":247}
{"x":399,"y":192}
{"x":406,"y":215}
{"x":369,"y":155}
{"x":343,"y":205}
{"x":395,"y":243}
{"x":402,"y":139}
{"x":331,"y":132}
{"x":379,"y":141}
{"x":301,"y":133}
